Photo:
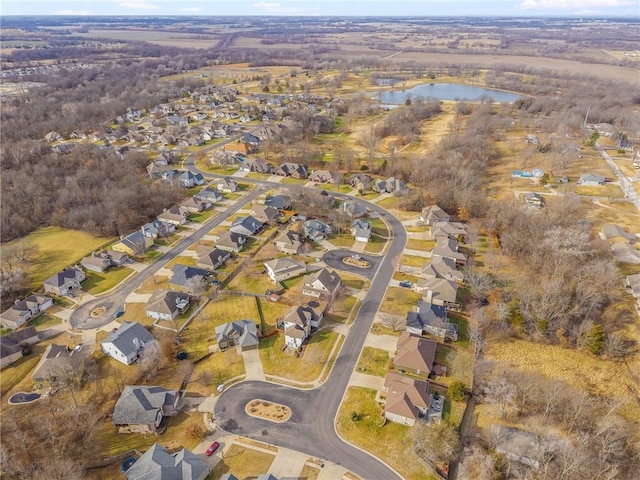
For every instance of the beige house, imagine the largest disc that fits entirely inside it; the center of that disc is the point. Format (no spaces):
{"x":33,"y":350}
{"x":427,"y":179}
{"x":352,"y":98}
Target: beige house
{"x":280,"y":269}
{"x":407,"y":399}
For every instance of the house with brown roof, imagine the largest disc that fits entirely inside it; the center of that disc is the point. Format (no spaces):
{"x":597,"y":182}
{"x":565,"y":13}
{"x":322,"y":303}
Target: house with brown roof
{"x":59,"y":366}
{"x":175,"y":215}
{"x":408,"y":399}
{"x":24,"y":310}
{"x":266,"y":214}
{"x":415,"y":353}
{"x":289,"y":242}
{"x":433,"y":214}
{"x":322,"y":284}
{"x":195,"y":204}
{"x":325,"y":176}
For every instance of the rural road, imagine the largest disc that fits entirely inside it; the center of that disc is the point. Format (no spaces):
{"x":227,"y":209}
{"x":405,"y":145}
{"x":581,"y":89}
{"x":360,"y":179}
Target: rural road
{"x":311,"y":429}
{"x":81,"y":317}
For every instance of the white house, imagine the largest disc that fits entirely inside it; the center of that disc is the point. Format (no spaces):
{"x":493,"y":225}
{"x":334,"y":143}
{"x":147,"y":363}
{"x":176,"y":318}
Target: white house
{"x":127,"y":342}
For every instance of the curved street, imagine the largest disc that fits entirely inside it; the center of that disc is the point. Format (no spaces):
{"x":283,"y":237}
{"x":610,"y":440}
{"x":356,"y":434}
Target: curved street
{"x":311,"y":429}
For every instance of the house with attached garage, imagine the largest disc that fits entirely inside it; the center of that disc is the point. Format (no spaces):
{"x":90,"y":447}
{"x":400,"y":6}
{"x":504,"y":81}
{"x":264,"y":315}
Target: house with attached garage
{"x":242,"y":334}
{"x":174,"y":215}
{"x":184,"y":276}
{"x":281,"y":202}
{"x":167,"y":304}
{"x":297,"y":326}
{"x":361,"y":181}
{"x":102,"y":261}
{"x":293,"y":170}
{"x":324,"y":284}
{"x":590,"y":180}
{"x":415,"y":353}
{"x":266,"y":214}
{"x":361,"y":230}
{"x":325,"y":176}
{"x":280,"y":269}
{"x":24,"y":310}
{"x":408,"y":399}
{"x":257,"y":165}
{"x":316,"y":230}
{"x":195,"y":204}
{"x":231,"y":242}
{"x":134,"y":244}
{"x":65,"y":281}
{"x":431,"y":318}
{"x":391,"y":185}
{"x":211,"y":194}
{"x":289,"y":242}
{"x":158,"y":229}
{"x":13,"y":345}
{"x":439,"y":291}
{"x":353,"y":209}
{"x":442,"y":267}
{"x":448,"y":248}
{"x":432,"y":214}
{"x":127,"y":342}
{"x":158,"y":464}
{"x":227,"y":184}
{"x":210,"y":259}
{"x":189,"y":179}
{"x":142,"y":409}
{"x":59,"y":366}
{"x":247,"y":226}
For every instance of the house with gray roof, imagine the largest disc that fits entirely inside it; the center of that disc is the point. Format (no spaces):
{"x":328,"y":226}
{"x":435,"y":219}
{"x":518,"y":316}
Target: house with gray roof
{"x":210,"y":193}
{"x":439,"y":291}
{"x":174,"y":215}
{"x":59,"y":366}
{"x":289,"y":242}
{"x":196,"y":204}
{"x":431,"y":318}
{"x":12,"y":345}
{"x":143,"y":409}
{"x":281,"y":202}
{"x":297,"y":324}
{"x":65,"y":281}
{"x":135,"y":244}
{"x":189,"y":179}
{"x":280,"y":269}
{"x":265,"y":213}
{"x":242,"y":334}
{"x":433,"y":214}
{"x":247,"y":226}
{"x":231,"y":242}
{"x":167,"y":304}
{"x":353,"y":209}
{"x":227,"y":184}
{"x":184,"y":275}
{"x":212,"y":258}
{"x":316,"y":230}
{"x":322,"y":284}
{"x":361,"y":230}
{"x":24,"y":310}
{"x":158,"y":464}
{"x":590,"y":180}
{"x":448,"y":248}
{"x":325,"y":176}
{"x":158,"y":229}
{"x":127,"y":342}
{"x":390,"y":185}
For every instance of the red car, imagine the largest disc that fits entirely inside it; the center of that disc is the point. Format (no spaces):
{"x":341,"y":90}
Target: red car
{"x":212,"y":448}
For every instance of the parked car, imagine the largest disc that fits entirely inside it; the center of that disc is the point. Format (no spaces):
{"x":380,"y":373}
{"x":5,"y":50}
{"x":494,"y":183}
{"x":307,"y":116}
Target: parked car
{"x":118,"y":314}
{"x":405,"y":284}
{"x":212,"y":448}
{"x":357,"y":257}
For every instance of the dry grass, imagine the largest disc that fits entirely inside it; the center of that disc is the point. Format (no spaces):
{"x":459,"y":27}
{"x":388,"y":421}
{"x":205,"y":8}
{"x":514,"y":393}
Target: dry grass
{"x":217,"y":369}
{"x":596,"y":375}
{"x":422,"y":245}
{"x":373,"y":361}
{"x":244,"y":463}
{"x":273,"y":412}
{"x":399,"y":300}
{"x":413,"y":261}
{"x":97,"y":283}
{"x":154,"y":283}
{"x":392,"y":442}
{"x":227,"y":308}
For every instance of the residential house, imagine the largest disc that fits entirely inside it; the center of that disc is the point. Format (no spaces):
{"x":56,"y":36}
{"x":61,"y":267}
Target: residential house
{"x":158,"y":464}
{"x":189,"y":179}
{"x":632,"y":284}
{"x":247,"y":226}
{"x":195,"y":205}
{"x":442,"y":267}
{"x":290,"y":169}
{"x":281,"y":202}
{"x":59,"y":366}
{"x":143,"y":409}
{"x":167,"y":304}
{"x":24,"y":310}
{"x":158,"y":229}
{"x":390,"y":185}
{"x":432,"y":214}
{"x":325,"y":176}
{"x":187,"y":277}
{"x":158,"y":171}
{"x":257,"y":165}
{"x":65,"y":281}
{"x":322,"y":284}
{"x":361,"y":230}
{"x":316,"y":230}
{"x":176,"y":215}
{"x":178,"y":120}
{"x":266,"y":214}
{"x":361,"y":181}
{"x":280,"y":269}
{"x":439,"y":291}
{"x":211,"y":194}
{"x":408,"y":399}
{"x":13,"y":345}
{"x":228,"y":184}
{"x":127,"y":343}
{"x":415,"y":353}
{"x":448,"y":248}
{"x":242,"y":334}
{"x":134,"y":244}
{"x":96,"y":263}
{"x":297,"y":326}
{"x":225,"y":158}
{"x":210,"y":259}
{"x":241,"y":148}
{"x":232,"y":242}
{"x":431,"y":318}
{"x":590,"y":180}
{"x":289,"y":242}
{"x":534,"y":199}
{"x":353,"y":209}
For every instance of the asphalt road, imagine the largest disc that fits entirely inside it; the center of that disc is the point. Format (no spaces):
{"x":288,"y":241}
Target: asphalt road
{"x":333,"y":259}
{"x":81,"y":317}
{"x":312,"y":427}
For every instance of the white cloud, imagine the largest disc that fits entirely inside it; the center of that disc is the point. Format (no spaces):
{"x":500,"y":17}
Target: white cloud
{"x":138,"y":5}
{"x":266,"y":5}
{"x":583,"y":5}
{"x":190,"y":9}
{"x":72,"y":12}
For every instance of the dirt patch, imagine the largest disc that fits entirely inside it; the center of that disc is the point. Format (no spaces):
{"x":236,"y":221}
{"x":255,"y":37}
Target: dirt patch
{"x":356,"y":262}
{"x":274,"y":412}
{"x":98,"y":312}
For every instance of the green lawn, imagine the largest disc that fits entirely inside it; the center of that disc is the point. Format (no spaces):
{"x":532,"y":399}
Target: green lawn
{"x":291,"y":283}
{"x":463,"y":328}
{"x":293,"y":181}
{"x":389,"y":202}
{"x":376,"y":244}
{"x":58,"y":248}
{"x":97,"y":283}
{"x":243,"y":463}
{"x":271,"y":311}
{"x":201,"y":216}
{"x":373,"y":361}
{"x":379,"y":227}
{"x":43,"y":321}
{"x":343,"y":240}
{"x":399,"y":300}
{"x":360,"y":421}
{"x":305,"y":369}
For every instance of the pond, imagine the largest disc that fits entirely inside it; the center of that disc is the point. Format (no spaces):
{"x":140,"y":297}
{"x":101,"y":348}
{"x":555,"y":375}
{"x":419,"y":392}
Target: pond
{"x":447,"y":91}
{"x":22,"y":397}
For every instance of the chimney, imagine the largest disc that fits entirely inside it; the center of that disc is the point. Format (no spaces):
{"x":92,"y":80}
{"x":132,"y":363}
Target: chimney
{"x":429,"y":296}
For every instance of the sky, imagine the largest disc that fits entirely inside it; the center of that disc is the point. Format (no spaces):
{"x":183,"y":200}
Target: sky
{"x":574,"y":8}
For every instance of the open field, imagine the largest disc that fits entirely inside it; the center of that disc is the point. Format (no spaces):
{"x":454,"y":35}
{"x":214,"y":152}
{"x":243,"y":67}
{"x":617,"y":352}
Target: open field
{"x":58,"y":248}
{"x":360,"y":422}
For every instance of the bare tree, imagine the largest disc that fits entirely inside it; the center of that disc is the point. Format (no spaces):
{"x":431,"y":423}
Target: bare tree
{"x":436,"y":442}
{"x":394,"y":322}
